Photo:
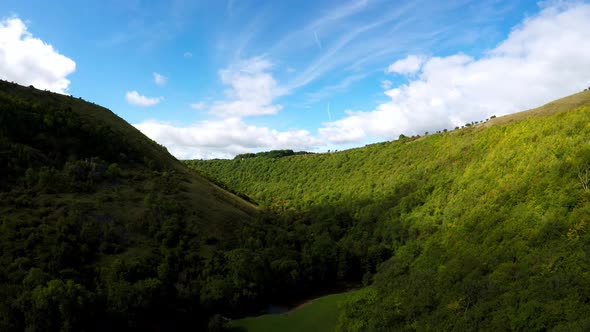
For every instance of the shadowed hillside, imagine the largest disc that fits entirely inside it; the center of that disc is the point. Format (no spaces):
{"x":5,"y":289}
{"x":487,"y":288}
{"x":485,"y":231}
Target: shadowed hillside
{"x":482,"y":228}
{"x":100,"y":227}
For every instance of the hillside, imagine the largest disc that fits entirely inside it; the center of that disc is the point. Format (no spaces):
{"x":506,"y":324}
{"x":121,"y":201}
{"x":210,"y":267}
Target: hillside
{"x":482,"y":228}
{"x":100,"y":227}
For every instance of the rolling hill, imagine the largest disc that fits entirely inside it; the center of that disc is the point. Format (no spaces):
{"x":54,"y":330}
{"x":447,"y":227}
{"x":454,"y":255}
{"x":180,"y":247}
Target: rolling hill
{"x":480,"y":228}
{"x":100,"y":227}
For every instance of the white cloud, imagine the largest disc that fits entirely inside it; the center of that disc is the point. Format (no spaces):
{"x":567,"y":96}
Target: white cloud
{"x":386,"y":84}
{"x":252,"y":89}
{"x":134,"y":98}
{"x":544,"y":58}
{"x":160,"y":79}
{"x":224,"y":138}
{"x":30,"y":61}
{"x":188,"y":55}
{"x":407,"y":66}
{"x":198,"y":106}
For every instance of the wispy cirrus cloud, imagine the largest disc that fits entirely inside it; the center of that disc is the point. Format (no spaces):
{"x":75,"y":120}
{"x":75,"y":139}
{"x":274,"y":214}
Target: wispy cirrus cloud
{"x":544,"y":58}
{"x":318,"y":42}
{"x":546,"y":54}
{"x":332,"y":57}
{"x":350,"y":43}
{"x":146,"y":30}
{"x":330,"y":90}
{"x":304,"y":37}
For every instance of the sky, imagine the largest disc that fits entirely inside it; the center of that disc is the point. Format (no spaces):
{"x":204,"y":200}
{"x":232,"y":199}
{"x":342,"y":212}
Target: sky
{"x":212,"y":79}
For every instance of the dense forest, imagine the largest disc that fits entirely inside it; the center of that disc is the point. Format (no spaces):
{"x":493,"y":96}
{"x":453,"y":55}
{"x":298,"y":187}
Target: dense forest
{"x":480,"y":228}
{"x":102,"y":229}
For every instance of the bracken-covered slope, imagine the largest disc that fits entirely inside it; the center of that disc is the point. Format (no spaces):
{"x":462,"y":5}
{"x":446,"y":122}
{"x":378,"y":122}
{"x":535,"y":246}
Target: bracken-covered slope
{"x":481,"y":228}
{"x":100,"y":227}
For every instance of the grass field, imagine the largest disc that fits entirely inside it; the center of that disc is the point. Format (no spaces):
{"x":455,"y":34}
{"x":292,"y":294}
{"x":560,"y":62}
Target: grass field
{"x":320,"y":314}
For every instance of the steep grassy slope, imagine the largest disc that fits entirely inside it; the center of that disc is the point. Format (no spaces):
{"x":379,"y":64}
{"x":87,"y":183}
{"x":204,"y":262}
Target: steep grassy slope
{"x":369,"y":172}
{"x":483,"y":228}
{"x":100,"y":227}
{"x":554,"y":107}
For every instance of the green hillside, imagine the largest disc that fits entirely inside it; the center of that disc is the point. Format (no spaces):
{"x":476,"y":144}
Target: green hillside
{"x":482,"y":228}
{"x":100,"y":227}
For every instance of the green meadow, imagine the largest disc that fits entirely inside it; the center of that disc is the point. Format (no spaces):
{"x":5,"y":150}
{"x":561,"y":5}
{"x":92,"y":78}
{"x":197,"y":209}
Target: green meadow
{"x":319,"y":315}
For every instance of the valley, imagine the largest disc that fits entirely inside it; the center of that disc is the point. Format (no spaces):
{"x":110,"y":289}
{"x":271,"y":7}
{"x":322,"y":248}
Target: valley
{"x":483,"y":227}
{"x":262,"y":166}
{"x":461,"y":230}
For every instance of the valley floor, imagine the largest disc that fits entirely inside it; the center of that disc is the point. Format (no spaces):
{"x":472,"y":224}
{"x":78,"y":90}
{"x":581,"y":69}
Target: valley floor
{"x":320,"y":314}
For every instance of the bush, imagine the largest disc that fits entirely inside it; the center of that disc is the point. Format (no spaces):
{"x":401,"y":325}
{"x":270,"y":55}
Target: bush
{"x":216,"y":323}
{"x":114,"y":171}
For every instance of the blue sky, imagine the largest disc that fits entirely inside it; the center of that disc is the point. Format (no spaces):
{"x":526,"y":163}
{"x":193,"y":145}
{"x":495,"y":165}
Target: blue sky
{"x":216,"y":78}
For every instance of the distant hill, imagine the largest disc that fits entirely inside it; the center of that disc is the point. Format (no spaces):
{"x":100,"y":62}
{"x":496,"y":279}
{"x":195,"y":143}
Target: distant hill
{"x":271,"y":154}
{"x":100,"y":227}
{"x":480,"y":228}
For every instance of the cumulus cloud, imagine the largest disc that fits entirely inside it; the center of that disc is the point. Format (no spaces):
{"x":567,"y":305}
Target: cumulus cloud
{"x":223,"y":138}
{"x":134,"y":98}
{"x":252,"y":89}
{"x":160,"y":79}
{"x":407,"y":66}
{"x":544,"y":58}
{"x":30,"y":61}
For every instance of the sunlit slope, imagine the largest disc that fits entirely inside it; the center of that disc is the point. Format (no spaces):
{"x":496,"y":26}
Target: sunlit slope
{"x":559,"y":105}
{"x":100,"y":226}
{"x":482,"y":228}
{"x":379,"y":170}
